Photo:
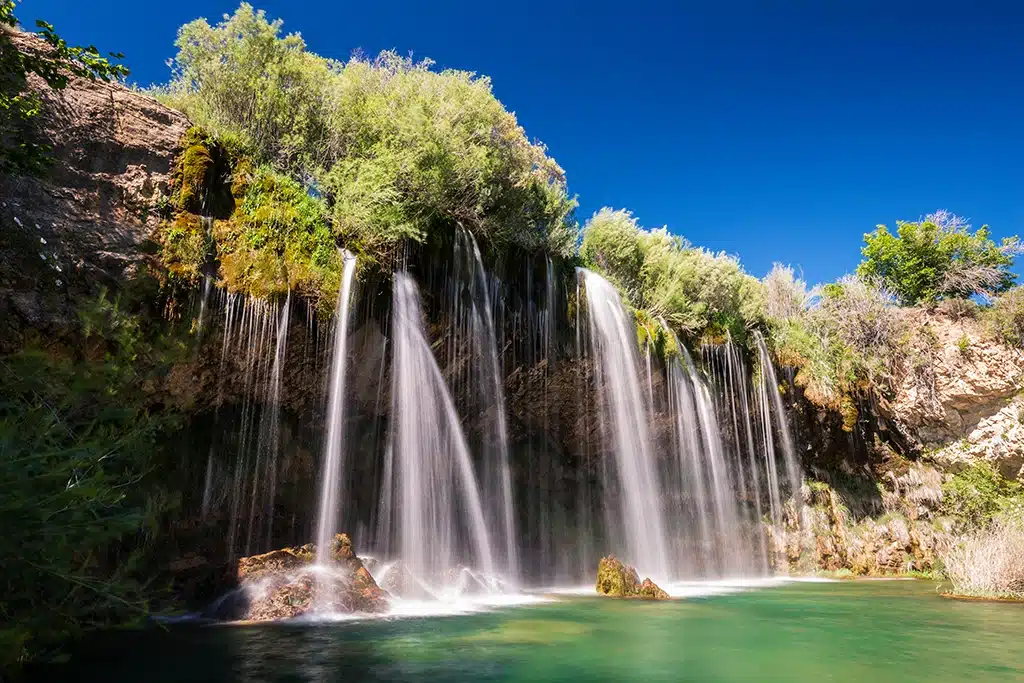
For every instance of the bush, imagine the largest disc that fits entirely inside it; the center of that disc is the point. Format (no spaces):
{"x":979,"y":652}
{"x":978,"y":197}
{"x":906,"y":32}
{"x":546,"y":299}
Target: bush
{"x":938,"y":257}
{"x":989,"y":562}
{"x":844,"y":345}
{"x":1005,"y":317}
{"x":397,"y":150}
{"x":976,"y":495}
{"x":694,"y":291}
{"x":77,"y":443}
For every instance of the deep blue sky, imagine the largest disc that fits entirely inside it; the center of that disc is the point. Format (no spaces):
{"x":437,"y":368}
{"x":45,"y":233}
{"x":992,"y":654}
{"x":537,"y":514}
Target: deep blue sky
{"x":778,"y":134}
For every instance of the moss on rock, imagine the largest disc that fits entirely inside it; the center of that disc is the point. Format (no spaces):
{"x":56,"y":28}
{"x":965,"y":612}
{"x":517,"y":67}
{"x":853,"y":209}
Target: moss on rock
{"x":617,"y":579}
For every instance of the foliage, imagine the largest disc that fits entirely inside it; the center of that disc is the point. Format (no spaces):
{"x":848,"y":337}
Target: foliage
{"x":397,"y":150}
{"x":1005,"y":317}
{"x":786,"y":296}
{"x":845,"y":344}
{"x":278,"y":239}
{"x":691,"y":289}
{"x":20,"y":105}
{"x":938,"y":257}
{"x":76,"y":443}
{"x":976,"y":495}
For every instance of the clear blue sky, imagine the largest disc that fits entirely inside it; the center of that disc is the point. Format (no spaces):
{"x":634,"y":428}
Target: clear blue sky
{"x":778,"y":134}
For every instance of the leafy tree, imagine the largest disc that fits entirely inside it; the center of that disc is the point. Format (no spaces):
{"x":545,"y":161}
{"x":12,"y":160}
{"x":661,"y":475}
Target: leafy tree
{"x":938,"y":257}
{"x":396,"y":149}
{"x":20,"y":105}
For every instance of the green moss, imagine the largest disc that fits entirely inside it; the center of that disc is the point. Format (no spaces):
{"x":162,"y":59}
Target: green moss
{"x":199,"y":181}
{"x":185,"y":246}
{"x":616,"y":579}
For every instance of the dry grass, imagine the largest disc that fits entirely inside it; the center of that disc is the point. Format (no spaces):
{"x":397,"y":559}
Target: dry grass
{"x":989,"y":562}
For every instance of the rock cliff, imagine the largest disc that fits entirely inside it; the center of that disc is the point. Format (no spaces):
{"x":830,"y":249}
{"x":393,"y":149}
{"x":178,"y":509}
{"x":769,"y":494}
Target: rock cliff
{"x":88,"y":222}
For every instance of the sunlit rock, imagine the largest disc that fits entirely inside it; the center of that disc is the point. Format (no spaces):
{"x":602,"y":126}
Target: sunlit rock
{"x":286,"y":583}
{"x":616,"y":579}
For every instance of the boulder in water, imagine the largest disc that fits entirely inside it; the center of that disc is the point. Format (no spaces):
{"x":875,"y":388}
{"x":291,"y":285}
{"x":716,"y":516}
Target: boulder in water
{"x":616,"y":579}
{"x":652,"y":591}
{"x":284,"y":584}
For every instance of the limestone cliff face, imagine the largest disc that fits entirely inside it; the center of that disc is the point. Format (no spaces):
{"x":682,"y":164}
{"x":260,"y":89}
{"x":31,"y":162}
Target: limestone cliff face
{"x":960,"y":394}
{"x":92,"y":215}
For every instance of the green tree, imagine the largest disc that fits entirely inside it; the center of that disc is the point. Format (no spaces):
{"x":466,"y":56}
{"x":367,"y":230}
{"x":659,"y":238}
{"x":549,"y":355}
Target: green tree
{"x":55,"y":64}
{"x":938,"y":257}
{"x":397,"y":149}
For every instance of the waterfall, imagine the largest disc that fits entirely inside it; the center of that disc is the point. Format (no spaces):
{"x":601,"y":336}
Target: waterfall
{"x":772,"y":412}
{"x":431,"y":511}
{"x":269,"y":439}
{"x":331,"y":480}
{"x":640,"y":523}
{"x":473,"y":319}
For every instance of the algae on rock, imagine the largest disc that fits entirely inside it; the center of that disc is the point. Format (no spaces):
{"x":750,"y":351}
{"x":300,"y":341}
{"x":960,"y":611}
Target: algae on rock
{"x":616,"y":579}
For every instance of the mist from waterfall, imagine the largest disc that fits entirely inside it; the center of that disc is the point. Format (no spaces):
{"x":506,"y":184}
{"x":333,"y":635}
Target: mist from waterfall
{"x":431,"y":514}
{"x":332,"y":478}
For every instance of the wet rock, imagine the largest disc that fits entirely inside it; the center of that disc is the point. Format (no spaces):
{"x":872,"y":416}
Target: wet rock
{"x":616,"y":579}
{"x":284,"y":584}
{"x":651,"y":591}
{"x":397,"y":580}
{"x":275,"y":562}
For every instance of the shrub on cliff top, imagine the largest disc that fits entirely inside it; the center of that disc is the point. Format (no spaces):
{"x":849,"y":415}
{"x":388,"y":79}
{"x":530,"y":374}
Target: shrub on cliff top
{"x":693,"y":290}
{"x":938,"y":257}
{"x":396,"y":148}
{"x":843,"y":345}
{"x":1005,"y":317}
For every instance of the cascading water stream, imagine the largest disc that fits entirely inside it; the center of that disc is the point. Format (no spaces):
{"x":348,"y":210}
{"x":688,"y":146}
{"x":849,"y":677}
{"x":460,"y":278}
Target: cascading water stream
{"x":771,"y":406}
{"x":431,"y":514}
{"x":332,"y":480}
{"x":640,"y":523}
{"x":477,"y":318}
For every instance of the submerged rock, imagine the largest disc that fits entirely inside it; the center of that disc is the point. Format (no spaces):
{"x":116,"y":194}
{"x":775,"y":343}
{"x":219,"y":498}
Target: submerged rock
{"x":285,"y":583}
{"x":616,"y":579}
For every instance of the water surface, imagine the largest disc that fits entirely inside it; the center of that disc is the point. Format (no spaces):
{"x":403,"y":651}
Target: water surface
{"x":872,"y":631}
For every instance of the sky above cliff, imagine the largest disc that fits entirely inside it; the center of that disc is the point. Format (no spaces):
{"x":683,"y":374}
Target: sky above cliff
{"x":779,"y":134}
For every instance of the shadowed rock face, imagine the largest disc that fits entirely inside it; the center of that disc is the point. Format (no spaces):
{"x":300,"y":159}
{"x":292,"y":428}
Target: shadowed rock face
{"x":616,"y":579}
{"x":284,"y":583}
{"x":96,"y":208}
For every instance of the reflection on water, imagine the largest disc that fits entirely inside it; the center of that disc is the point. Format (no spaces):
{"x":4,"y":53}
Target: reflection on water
{"x":814,"y":632}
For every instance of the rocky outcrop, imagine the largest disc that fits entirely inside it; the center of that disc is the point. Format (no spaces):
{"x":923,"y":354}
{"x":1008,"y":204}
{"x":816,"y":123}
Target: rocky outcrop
{"x":960,"y":394}
{"x":907,"y":534}
{"x":616,"y":579}
{"x":284,"y":584}
{"x":89,"y":220}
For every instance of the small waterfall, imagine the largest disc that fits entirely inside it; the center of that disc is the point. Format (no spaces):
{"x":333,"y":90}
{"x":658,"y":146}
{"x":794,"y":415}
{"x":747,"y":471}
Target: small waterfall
{"x":639,"y":522}
{"x":772,"y":412}
{"x":249,"y":329}
{"x":431,"y":512}
{"x":473,"y":320}
{"x":264,"y":488}
{"x":332,"y":481}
